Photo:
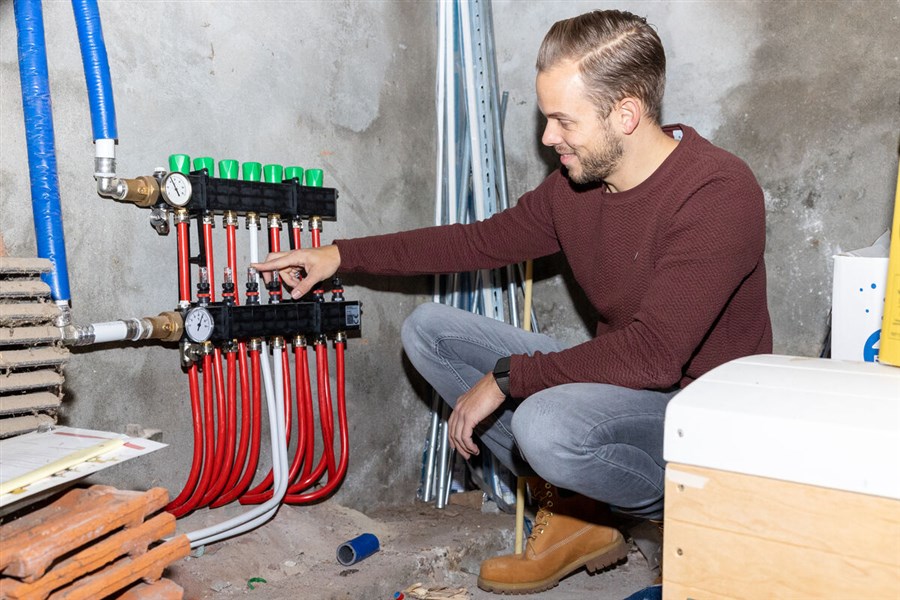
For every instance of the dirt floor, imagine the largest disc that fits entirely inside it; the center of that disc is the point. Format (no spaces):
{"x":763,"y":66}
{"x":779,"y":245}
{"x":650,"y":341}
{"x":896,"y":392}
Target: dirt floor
{"x":295,"y":554}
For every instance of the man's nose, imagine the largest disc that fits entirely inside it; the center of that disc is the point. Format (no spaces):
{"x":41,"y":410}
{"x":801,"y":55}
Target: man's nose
{"x":551,"y":135}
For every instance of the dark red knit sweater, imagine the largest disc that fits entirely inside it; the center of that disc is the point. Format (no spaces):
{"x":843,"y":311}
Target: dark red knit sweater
{"x":674,"y":267}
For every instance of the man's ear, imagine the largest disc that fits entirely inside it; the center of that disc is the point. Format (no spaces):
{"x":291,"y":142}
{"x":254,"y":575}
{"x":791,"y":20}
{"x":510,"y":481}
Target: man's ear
{"x":628,"y":114}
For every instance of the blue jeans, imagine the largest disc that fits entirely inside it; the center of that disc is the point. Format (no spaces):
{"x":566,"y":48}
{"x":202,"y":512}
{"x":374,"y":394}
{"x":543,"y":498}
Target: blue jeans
{"x":600,"y":440}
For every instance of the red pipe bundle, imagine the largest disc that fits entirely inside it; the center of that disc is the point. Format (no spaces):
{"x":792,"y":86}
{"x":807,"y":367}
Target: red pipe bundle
{"x":224,"y":464}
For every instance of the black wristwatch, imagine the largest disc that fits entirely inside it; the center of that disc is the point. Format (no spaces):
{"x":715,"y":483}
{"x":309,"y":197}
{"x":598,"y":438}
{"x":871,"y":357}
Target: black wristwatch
{"x":501,"y":374}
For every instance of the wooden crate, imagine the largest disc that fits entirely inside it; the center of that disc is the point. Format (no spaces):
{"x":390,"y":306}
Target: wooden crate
{"x":729,"y":535}
{"x":783,"y":481}
{"x":89,"y":544}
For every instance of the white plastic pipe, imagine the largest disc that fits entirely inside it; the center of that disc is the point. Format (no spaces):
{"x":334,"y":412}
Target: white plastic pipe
{"x":112,"y":331}
{"x":254,"y":246}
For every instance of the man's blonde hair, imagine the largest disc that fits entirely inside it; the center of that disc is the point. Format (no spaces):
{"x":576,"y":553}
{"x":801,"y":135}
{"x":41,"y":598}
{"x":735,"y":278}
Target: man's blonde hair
{"x":618,"y":55}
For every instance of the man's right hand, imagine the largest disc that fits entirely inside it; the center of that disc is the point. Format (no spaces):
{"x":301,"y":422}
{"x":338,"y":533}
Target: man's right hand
{"x":318,"y":263}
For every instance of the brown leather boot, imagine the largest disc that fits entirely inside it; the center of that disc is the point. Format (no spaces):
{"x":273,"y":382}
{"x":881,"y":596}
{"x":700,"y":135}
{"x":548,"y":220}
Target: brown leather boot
{"x":566,"y":536}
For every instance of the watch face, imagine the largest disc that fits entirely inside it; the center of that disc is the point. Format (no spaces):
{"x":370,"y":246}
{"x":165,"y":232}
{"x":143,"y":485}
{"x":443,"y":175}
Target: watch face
{"x":176,"y":189}
{"x":198,"y":324}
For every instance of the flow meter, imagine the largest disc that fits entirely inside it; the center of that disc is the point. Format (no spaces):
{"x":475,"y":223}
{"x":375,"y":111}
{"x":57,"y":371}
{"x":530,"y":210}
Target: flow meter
{"x":198,"y":324}
{"x":176,"y":189}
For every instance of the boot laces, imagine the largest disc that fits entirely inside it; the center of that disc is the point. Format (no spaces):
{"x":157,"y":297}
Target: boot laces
{"x":542,"y":518}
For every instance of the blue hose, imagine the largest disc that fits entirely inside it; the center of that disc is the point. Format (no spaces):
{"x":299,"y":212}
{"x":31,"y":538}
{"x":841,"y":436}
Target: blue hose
{"x":48,"y":229}
{"x":96,"y":69}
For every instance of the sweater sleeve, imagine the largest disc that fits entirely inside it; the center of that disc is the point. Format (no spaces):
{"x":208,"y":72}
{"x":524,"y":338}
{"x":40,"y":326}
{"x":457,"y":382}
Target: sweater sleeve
{"x":521,"y":232}
{"x":713,"y":242}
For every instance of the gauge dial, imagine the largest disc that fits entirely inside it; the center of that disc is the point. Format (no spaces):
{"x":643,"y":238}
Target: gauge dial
{"x":198,"y":324}
{"x":176,"y":189}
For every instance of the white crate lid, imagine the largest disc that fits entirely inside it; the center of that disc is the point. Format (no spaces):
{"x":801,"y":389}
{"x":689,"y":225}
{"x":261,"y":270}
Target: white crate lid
{"x":830,"y":423}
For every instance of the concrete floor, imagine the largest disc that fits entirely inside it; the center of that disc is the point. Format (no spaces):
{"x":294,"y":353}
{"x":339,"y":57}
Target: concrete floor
{"x":296,"y":554}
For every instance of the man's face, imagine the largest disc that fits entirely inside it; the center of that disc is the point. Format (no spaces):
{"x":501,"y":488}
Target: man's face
{"x":588,"y":147}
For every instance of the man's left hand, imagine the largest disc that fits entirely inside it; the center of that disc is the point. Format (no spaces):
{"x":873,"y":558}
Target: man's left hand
{"x":473,"y":407}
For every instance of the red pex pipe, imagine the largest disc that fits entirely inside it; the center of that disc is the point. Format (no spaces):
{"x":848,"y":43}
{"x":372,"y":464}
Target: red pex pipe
{"x":305,"y":425}
{"x":210,"y":259}
{"x":231,"y":244}
{"x":295,"y":237}
{"x":304,"y":389}
{"x":227,"y":433}
{"x":237,"y":464}
{"x":218,"y":453}
{"x":227,"y":395}
{"x":325,"y":417}
{"x":184,"y":295}
{"x":335,"y":480}
{"x":174,"y":506}
{"x":184,"y":261}
{"x":325,"y":387}
{"x":209,"y":442}
{"x":215,"y":455}
{"x":253,"y":458}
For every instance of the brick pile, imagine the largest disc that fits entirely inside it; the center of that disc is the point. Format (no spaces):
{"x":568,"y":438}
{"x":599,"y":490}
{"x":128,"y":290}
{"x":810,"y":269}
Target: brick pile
{"x":92,"y":543}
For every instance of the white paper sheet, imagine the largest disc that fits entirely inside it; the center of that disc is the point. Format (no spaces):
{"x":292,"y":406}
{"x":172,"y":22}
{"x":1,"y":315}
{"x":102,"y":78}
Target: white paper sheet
{"x":26,"y":453}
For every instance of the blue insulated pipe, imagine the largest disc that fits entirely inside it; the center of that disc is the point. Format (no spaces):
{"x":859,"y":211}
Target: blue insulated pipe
{"x":48,"y":229}
{"x":96,"y":69}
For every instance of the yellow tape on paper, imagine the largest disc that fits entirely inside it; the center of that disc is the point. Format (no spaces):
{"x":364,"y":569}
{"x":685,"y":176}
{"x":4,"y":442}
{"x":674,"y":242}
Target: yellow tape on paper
{"x":66,"y":462}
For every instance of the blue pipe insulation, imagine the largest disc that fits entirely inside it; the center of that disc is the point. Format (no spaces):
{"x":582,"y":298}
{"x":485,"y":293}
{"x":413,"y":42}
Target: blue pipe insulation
{"x":48,"y":229}
{"x":96,"y":69}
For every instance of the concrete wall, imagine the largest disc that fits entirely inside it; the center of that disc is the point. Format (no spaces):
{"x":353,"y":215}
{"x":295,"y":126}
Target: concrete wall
{"x":806,"y":93}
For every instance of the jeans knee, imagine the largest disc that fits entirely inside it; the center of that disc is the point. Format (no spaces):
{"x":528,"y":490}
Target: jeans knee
{"x":530,"y":433}
{"x":414,"y":333}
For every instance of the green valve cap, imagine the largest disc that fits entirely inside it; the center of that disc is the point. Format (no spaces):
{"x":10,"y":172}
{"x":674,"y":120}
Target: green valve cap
{"x":251,"y":171}
{"x":228,"y":169}
{"x":294,"y":173}
{"x":314,"y":177}
{"x":205,"y":162}
{"x":179,"y":163}
{"x":273,"y":173}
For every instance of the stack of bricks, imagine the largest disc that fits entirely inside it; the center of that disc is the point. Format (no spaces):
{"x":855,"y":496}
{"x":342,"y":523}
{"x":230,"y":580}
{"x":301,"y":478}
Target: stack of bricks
{"x":92,"y":543}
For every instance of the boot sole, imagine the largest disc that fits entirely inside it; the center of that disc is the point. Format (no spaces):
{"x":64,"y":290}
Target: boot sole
{"x":607,"y":557}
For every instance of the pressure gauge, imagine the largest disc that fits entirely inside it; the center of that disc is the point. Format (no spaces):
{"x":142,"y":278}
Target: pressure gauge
{"x":198,"y":324}
{"x":176,"y":189}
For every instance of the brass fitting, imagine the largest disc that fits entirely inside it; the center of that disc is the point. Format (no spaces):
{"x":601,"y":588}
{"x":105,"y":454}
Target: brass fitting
{"x":182,"y":216}
{"x":142,"y":191}
{"x":167,"y":326}
{"x":315,"y":223}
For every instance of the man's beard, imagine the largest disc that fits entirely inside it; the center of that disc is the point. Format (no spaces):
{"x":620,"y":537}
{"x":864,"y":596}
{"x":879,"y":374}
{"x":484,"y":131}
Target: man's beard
{"x":599,"y":162}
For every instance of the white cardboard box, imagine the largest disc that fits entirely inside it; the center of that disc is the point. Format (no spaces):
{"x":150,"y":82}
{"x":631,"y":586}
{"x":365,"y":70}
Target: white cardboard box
{"x":857,"y":301}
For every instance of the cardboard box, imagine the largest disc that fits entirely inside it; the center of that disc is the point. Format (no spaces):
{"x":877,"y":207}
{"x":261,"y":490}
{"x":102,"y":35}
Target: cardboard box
{"x":857,"y":301}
